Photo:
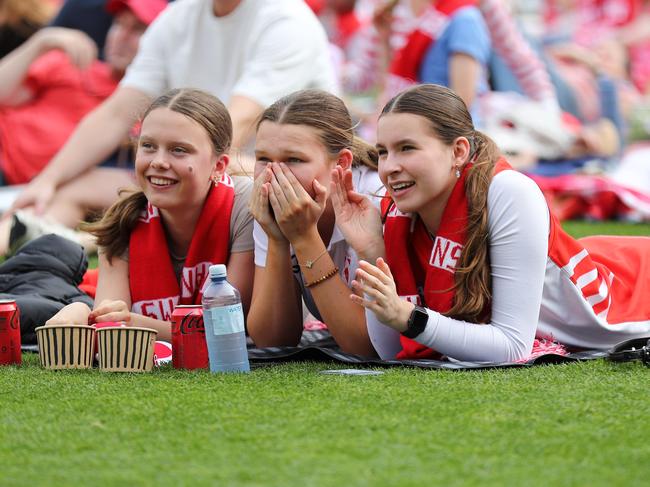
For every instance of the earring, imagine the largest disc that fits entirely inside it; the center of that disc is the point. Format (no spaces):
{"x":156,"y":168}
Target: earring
{"x":457,"y":173}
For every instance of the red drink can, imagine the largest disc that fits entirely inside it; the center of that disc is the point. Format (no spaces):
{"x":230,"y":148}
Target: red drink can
{"x":10,"y":352}
{"x":189,"y":349}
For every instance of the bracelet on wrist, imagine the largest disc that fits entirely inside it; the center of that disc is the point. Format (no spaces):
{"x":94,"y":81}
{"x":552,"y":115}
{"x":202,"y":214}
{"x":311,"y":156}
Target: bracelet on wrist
{"x":323,"y":278}
{"x":310,"y":263}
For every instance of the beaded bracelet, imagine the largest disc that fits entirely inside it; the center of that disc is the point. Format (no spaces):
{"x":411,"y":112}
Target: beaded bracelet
{"x":331,"y":273}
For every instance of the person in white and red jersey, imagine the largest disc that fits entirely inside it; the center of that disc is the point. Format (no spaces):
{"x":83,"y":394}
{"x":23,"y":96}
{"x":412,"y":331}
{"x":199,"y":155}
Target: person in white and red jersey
{"x":157,"y":244}
{"x":472,"y":265}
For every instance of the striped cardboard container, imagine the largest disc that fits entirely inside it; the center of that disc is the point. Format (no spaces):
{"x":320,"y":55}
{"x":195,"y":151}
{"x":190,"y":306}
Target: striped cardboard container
{"x":127,"y":349}
{"x":66,"y":346}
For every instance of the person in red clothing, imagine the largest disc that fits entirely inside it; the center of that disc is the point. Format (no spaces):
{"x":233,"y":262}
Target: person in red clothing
{"x":53,"y":80}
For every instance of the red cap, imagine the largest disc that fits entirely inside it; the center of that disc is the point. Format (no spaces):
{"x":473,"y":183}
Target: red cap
{"x":145,"y":10}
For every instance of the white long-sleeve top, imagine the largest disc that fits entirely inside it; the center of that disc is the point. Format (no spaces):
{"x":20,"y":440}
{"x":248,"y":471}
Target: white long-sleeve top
{"x":518,"y":234}
{"x":531,"y":293}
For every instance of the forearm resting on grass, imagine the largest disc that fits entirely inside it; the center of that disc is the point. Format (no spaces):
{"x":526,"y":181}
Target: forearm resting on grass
{"x":345,"y":319}
{"x":275,"y":317}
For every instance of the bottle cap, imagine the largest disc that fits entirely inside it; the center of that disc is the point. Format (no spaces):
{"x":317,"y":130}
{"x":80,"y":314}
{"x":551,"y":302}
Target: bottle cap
{"x":217,"y":270}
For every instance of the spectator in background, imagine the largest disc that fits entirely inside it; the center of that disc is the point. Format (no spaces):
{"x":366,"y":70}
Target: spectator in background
{"x":459,"y":52}
{"x":48,"y":85}
{"x":89,"y":16}
{"x":53,"y":80}
{"x":384,"y":31}
{"x":19,"y":19}
{"x":246,"y":52}
{"x":339,"y":18}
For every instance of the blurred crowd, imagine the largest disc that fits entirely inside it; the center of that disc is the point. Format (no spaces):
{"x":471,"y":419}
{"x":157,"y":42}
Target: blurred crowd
{"x":562,"y":86}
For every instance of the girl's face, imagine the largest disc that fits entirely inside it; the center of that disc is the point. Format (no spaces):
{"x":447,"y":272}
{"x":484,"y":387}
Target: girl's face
{"x":175,"y":160}
{"x":416,"y":167}
{"x":299,"y":147}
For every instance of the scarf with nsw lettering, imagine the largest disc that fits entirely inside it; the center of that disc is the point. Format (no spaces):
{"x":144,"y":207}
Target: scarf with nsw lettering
{"x":423,"y":266}
{"x":151,"y":273}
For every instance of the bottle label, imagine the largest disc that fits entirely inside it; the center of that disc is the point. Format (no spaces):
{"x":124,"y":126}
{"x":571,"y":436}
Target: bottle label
{"x":226,"y":319}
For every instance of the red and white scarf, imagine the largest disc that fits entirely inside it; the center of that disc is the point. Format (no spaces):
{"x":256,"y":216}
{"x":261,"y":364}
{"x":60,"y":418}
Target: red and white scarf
{"x":155,"y":290}
{"x":423,"y":267}
{"x":404,"y":69}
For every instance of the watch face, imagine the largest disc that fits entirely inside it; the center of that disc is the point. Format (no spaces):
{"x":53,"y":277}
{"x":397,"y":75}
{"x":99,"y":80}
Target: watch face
{"x":417,"y":322}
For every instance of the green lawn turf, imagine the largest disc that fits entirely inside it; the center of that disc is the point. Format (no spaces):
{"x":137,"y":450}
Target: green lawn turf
{"x":578,"y":424}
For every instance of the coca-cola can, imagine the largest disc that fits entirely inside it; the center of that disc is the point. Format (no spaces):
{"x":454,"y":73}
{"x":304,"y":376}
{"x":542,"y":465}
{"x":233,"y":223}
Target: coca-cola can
{"x":9,"y":332}
{"x":189,"y":349}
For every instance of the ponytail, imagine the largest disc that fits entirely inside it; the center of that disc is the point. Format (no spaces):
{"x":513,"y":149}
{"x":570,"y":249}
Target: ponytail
{"x":113,"y":231}
{"x":364,"y":154}
{"x":473,"y":283}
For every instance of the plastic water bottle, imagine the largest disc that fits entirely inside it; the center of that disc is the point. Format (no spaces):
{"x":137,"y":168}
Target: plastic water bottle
{"x":223,"y":318}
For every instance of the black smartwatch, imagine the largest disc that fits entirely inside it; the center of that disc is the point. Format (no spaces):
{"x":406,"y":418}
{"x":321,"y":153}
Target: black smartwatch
{"x":416,"y":323}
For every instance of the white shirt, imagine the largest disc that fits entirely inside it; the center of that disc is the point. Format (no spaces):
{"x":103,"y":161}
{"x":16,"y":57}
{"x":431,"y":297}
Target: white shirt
{"x":531,"y":295}
{"x":367,"y":182}
{"x":262,"y":50}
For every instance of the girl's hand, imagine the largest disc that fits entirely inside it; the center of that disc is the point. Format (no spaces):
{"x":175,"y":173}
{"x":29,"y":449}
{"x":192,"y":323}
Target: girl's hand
{"x":377,"y":284}
{"x":357,"y":218}
{"x":110,"y":310}
{"x":296,"y":212}
{"x":260,"y":206}
{"x":72,"y":314}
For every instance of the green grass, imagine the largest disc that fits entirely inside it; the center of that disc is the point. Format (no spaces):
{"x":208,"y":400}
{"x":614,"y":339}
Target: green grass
{"x":579,"y":424}
{"x":285,"y":425}
{"x":583,"y":229}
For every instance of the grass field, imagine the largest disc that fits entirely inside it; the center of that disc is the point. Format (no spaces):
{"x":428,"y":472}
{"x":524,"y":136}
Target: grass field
{"x":285,"y":425}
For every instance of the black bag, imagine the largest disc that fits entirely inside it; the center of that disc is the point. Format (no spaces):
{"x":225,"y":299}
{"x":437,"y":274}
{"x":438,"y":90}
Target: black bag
{"x":635,"y":349}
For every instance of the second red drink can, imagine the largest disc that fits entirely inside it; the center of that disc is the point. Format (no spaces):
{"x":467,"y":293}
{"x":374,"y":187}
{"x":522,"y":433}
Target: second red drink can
{"x":10,"y":332}
{"x":189,"y":349}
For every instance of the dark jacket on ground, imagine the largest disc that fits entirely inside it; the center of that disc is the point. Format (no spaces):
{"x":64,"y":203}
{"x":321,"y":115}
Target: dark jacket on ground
{"x":43,"y":277}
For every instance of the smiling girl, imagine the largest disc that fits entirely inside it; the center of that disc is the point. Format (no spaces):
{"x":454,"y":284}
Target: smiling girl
{"x":299,"y":251}
{"x":471,"y":264}
{"x":157,"y":244}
